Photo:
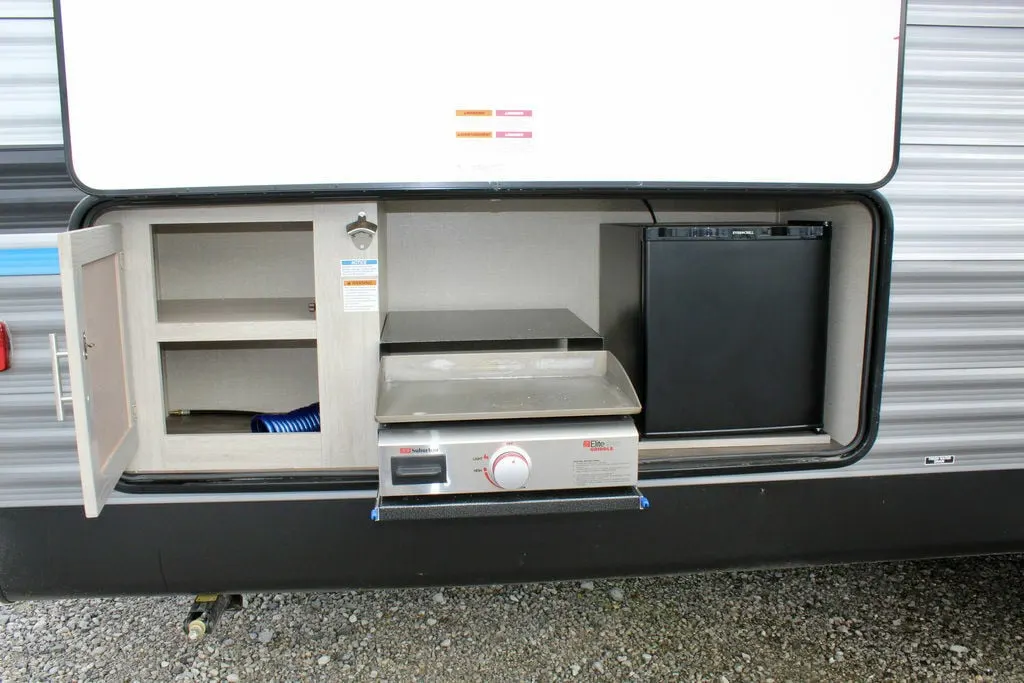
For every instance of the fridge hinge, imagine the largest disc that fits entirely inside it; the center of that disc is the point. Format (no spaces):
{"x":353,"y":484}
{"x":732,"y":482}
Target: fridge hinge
{"x":135,"y":413}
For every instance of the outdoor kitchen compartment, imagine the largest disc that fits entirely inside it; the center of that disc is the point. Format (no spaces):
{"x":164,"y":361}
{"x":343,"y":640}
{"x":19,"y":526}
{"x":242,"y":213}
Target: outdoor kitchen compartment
{"x":202,"y":282}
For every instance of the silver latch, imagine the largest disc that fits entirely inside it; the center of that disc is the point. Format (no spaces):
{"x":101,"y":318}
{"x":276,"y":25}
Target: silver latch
{"x":361,"y":231}
{"x":86,"y":345}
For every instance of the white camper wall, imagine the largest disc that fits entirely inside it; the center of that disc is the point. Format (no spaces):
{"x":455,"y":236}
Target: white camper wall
{"x":567,"y":92}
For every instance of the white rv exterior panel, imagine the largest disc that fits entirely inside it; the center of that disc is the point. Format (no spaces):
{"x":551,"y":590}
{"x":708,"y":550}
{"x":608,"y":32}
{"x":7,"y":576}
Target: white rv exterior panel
{"x":786,"y":92}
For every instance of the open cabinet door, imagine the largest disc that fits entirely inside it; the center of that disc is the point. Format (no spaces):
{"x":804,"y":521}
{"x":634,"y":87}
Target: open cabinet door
{"x":91,"y":274}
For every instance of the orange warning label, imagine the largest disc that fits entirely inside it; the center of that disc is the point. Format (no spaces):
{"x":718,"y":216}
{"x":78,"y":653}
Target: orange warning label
{"x":474,"y":134}
{"x":360,"y":283}
{"x":474,"y":112}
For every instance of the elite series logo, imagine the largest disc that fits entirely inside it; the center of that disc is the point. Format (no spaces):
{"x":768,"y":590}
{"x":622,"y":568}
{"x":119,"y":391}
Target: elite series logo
{"x":595,"y":445}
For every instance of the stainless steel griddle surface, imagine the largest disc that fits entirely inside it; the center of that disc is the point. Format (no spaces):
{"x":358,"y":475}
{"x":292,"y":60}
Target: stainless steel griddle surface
{"x":508,"y":385}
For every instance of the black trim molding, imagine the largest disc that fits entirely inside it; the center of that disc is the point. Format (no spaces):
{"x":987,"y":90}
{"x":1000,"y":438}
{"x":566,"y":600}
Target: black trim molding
{"x":333,"y":544}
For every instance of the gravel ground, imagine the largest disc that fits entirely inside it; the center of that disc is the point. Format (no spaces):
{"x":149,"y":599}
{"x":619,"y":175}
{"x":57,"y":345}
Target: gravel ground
{"x":952,"y":620}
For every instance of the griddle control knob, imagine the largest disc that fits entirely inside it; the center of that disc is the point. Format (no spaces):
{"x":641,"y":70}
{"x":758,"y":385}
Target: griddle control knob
{"x":510,"y":467}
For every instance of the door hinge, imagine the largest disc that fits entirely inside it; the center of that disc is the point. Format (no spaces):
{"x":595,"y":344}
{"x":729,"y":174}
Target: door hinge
{"x":135,"y":412}
{"x":120,"y":260}
{"x":86,"y":345}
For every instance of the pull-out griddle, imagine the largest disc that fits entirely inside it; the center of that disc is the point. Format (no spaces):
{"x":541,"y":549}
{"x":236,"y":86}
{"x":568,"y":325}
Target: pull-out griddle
{"x":510,"y":412}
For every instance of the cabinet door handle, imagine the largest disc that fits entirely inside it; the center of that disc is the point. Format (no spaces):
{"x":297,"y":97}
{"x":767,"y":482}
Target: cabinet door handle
{"x":58,"y":389}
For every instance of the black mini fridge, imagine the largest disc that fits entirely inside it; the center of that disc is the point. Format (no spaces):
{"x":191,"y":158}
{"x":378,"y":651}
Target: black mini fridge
{"x":734,"y":324}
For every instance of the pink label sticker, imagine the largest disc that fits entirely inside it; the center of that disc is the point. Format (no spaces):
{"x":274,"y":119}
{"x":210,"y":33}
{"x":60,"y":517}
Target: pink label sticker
{"x":514,"y":112}
{"x":514,"y":134}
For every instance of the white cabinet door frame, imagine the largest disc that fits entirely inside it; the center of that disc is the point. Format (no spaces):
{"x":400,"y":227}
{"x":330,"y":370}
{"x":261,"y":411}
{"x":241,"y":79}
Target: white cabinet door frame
{"x":92,"y":277}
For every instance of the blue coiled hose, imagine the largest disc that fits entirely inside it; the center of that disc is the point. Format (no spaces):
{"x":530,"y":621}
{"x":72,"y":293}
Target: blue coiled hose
{"x":306,"y":419}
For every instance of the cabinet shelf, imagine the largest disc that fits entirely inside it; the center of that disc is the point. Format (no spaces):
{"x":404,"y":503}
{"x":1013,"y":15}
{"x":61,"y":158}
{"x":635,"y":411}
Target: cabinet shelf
{"x":231,"y":452}
{"x":181,"y":320}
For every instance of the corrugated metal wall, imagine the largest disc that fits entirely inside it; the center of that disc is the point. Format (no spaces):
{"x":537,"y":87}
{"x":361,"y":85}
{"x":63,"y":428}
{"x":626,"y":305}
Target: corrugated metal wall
{"x":955,"y":371}
{"x":30,"y":114}
{"x":954,"y":378}
{"x":37,"y":453}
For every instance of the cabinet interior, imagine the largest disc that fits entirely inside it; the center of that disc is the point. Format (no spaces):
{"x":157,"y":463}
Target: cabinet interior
{"x":219,"y":280}
{"x":214,"y":386}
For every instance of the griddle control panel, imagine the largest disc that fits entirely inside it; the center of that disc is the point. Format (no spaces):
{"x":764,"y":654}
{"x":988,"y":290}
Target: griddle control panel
{"x":488,"y":458}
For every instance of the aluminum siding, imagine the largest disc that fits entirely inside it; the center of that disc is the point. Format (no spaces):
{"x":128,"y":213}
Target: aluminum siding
{"x":37,"y":453}
{"x":955,"y":358}
{"x":30,"y":114}
{"x":954,"y":381}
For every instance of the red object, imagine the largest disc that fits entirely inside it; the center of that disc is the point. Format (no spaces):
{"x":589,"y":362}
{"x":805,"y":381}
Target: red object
{"x":5,"y":347}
